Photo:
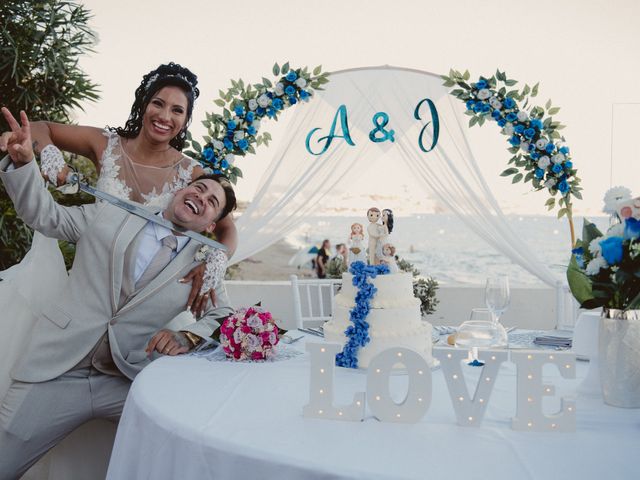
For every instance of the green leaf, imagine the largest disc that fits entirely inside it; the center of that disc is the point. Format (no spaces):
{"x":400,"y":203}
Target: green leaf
{"x":472,"y":121}
{"x":285,"y":68}
{"x":553,"y":111}
{"x":548,"y":104}
{"x":196,"y":146}
{"x":266,"y":82}
{"x":220,"y":102}
{"x":276,"y":69}
{"x":466,"y":75}
{"x":517,"y":178}
{"x":562,"y":212}
{"x":317,"y":70}
{"x":589,"y":231}
{"x":577,"y":194}
{"x":510,"y":83}
{"x":579,"y":282}
{"x":509,"y":171}
{"x":534,"y":90}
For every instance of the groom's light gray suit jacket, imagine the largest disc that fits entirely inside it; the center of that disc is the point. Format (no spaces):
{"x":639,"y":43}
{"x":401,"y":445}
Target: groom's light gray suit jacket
{"x":89,"y":305}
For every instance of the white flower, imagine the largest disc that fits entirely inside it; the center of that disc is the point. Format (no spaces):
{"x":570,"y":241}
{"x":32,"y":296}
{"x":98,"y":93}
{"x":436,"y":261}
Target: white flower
{"x":230,"y":158}
{"x":264,"y":100}
{"x":272,"y":338}
{"x":508,"y":129}
{"x":540,"y":144}
{"x":594,"y":266}
{"x":300,"y":82}
{"x":252,"y":341}
{"x":495,"y":103}
{"x":524,"y":146}
{"x":254,"y":321}
{"x":279,"y":90}
{"x":256,"y":124}
{"x":218,"y":145}
{"x":550,"y":183}
{"x":522,"y":116}
{"x":237,"y":336}
{"x":483,"y":94}
{"x":616,"y":230}
{"x":558,"y":158}
{"x":614,"y":196}
{"x":238,"y":136}
{"x":594,"y":246}
{"x":544,"y":162}
{"x":253,"y":104}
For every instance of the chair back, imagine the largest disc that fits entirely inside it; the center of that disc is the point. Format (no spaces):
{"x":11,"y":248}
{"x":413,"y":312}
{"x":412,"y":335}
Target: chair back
{"x":313,"y":300}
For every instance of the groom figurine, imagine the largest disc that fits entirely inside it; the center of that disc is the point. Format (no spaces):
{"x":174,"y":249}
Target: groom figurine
{"x":112,"y":315}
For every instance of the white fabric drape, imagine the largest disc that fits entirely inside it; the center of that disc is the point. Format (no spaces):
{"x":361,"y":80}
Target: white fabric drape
{"x":296,"y":182}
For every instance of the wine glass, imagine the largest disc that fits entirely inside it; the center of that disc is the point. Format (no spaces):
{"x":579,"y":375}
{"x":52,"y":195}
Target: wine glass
{"x":497,"y":296}
{"x":474,"y":334}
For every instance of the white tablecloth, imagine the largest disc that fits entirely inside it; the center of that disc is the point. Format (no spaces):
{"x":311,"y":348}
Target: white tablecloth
{"x":187,"y":417}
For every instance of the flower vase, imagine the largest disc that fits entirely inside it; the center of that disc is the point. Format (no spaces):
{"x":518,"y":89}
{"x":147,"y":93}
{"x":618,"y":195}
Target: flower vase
{"x":619,"y":357}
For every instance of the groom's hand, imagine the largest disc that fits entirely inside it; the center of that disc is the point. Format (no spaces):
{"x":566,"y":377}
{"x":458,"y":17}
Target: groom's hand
{"x":168,"y":342}
{"x":18,"y":141}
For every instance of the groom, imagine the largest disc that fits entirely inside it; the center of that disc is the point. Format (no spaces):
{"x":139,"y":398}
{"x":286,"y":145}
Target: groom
{"x":112,"y":315}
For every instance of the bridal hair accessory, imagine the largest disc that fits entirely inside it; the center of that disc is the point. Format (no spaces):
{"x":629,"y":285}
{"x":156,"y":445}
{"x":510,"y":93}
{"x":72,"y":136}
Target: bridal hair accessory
{"x":155,"y":77}
{"x":216,"y":266}
{"x":51,"y":163}
{"x":249,"y":334}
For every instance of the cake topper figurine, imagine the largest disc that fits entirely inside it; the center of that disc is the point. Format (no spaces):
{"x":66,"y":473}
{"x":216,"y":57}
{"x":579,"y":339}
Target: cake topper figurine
{"x":373,"y":229}
{"x":389,"y":257}
{"x":383,"y":232}
{"x":356,"y":249}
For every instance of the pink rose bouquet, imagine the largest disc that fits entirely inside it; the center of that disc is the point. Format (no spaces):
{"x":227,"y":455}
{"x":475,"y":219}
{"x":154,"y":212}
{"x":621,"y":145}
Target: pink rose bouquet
{"x":249,"y":334}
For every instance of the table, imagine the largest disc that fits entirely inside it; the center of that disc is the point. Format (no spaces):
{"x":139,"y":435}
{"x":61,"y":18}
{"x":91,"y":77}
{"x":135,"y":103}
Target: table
{"x":187,"y":417}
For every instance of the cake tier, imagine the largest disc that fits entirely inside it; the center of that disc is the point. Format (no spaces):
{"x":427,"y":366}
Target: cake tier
{"x":417,"y":339}
{"x":382,"y":321}
{"x":394,"y":290}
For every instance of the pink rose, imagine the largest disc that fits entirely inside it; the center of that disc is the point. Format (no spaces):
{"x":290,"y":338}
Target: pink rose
{"x":246,"y":329}
{"x":257,"y":356}
{"x":237,"y":354}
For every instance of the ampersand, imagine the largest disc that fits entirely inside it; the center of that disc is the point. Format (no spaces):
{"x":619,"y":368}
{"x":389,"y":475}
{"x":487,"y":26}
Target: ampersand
{"x":380,"y":120}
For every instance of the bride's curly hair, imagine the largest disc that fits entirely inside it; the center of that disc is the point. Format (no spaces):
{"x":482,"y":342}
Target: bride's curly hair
{"x":170,"y":74}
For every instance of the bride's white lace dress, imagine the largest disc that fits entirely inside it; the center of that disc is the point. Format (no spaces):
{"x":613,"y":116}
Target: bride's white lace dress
{"x":28,"y":287}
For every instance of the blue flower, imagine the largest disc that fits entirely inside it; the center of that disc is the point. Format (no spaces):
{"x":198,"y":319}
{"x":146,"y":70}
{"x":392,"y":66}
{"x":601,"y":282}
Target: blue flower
{"x":536,"y":123}
{"x":549,"y":148}
{"x":515,"y":141}
{"x":502,"y":122}
{"x":251,"y":130}
{"x":612,"y":249}
{"x":224,"y":164}
{"x":539,"y":173}
{"x":243,"y":144}
{"x":564,"y":150}
{"x":228,"y":144}
{"x":563,"y":186}
{"x":290,"y":90}
{"x":480,"y":84}
{"x":534,"y":155}
{"x":578,"y":253}
{"x":486,"y":108}
{"x":231,"y":125}
{"x":260,"y":111}
{"x":478,"y":107}
{"x":291,"y":76}
{"x":251,"y":116}
{"x":217,"y":172}
{"x":511,"y":117}
{"x":519,"y":129}
{"x":292,"y":100}
{"x":239,"y":110}
{"x":496,"y":114}
{"x":532,"y":147}
{"x":557,"y":168}
{"x":509,"y":102}
{"x":470,"y":104}
{"x":631,"y":228}
{"x":568,"y":164}
{"x":304,"y":95}
{"x":207,"y":153}
{"x":271,"y":112}
{"x":529,"y":133}
{"x":277,"y":104}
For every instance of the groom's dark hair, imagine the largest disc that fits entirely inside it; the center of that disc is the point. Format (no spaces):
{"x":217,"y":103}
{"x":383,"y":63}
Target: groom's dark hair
{"x":229,"y":194}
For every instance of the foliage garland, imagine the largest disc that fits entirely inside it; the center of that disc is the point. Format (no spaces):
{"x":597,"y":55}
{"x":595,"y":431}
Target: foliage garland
{"x":539,"y":153}
{"x":234,"y":132}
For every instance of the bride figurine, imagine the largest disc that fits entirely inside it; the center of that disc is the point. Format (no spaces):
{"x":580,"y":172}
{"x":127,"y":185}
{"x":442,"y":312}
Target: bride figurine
{"x":389,"y":257}
{"x":373,"y":229}
{"x":356,"y":249}
{"x":383,"y":231}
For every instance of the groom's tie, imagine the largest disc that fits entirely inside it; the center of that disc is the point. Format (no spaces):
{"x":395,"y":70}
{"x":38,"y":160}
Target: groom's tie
{"x":158,"y":262}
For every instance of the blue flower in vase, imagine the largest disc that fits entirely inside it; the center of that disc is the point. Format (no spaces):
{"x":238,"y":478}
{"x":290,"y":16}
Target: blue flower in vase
{"x":549,"y":148}
{"x":290,"y":90}
{"x":564,"y":150}
{"x":207,"y":153}
{"x":509,"y":102}
{"x":511,"y":117}
{"x":612,"y":249}
{"x":515,"y":141}
{"x":291,"y":76}
{"x":480,"y":84}
{"x":251,"y":130}
{"x":231,"y":125}
{"x":502,"y":122}
{"x":243,"y":144}
{"x":529,"y":133}
{"x":239,"y":110}
{"x":292,"y":100}
{"x":228,"y":144}
{"x":519,"y":129}
{"x":631,"y":229}
{"x":277,"y":104}
{"x":539,"y":173}
{"x":557,"y":168}
{"x":578,"y":253}
{"x":470,"y":104}
{"x":250,"y":117}
{"x":224,"y":164}
{"x":304,"y":95}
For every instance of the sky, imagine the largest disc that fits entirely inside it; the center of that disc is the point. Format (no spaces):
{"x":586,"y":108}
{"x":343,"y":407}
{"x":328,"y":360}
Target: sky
{"x":583,"y":53}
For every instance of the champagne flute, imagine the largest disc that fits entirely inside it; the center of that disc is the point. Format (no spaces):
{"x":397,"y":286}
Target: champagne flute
{"x":497,"y":296}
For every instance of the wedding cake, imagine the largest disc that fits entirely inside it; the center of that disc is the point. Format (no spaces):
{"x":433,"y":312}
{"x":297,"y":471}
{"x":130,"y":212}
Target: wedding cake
{"x":394,"y":317}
